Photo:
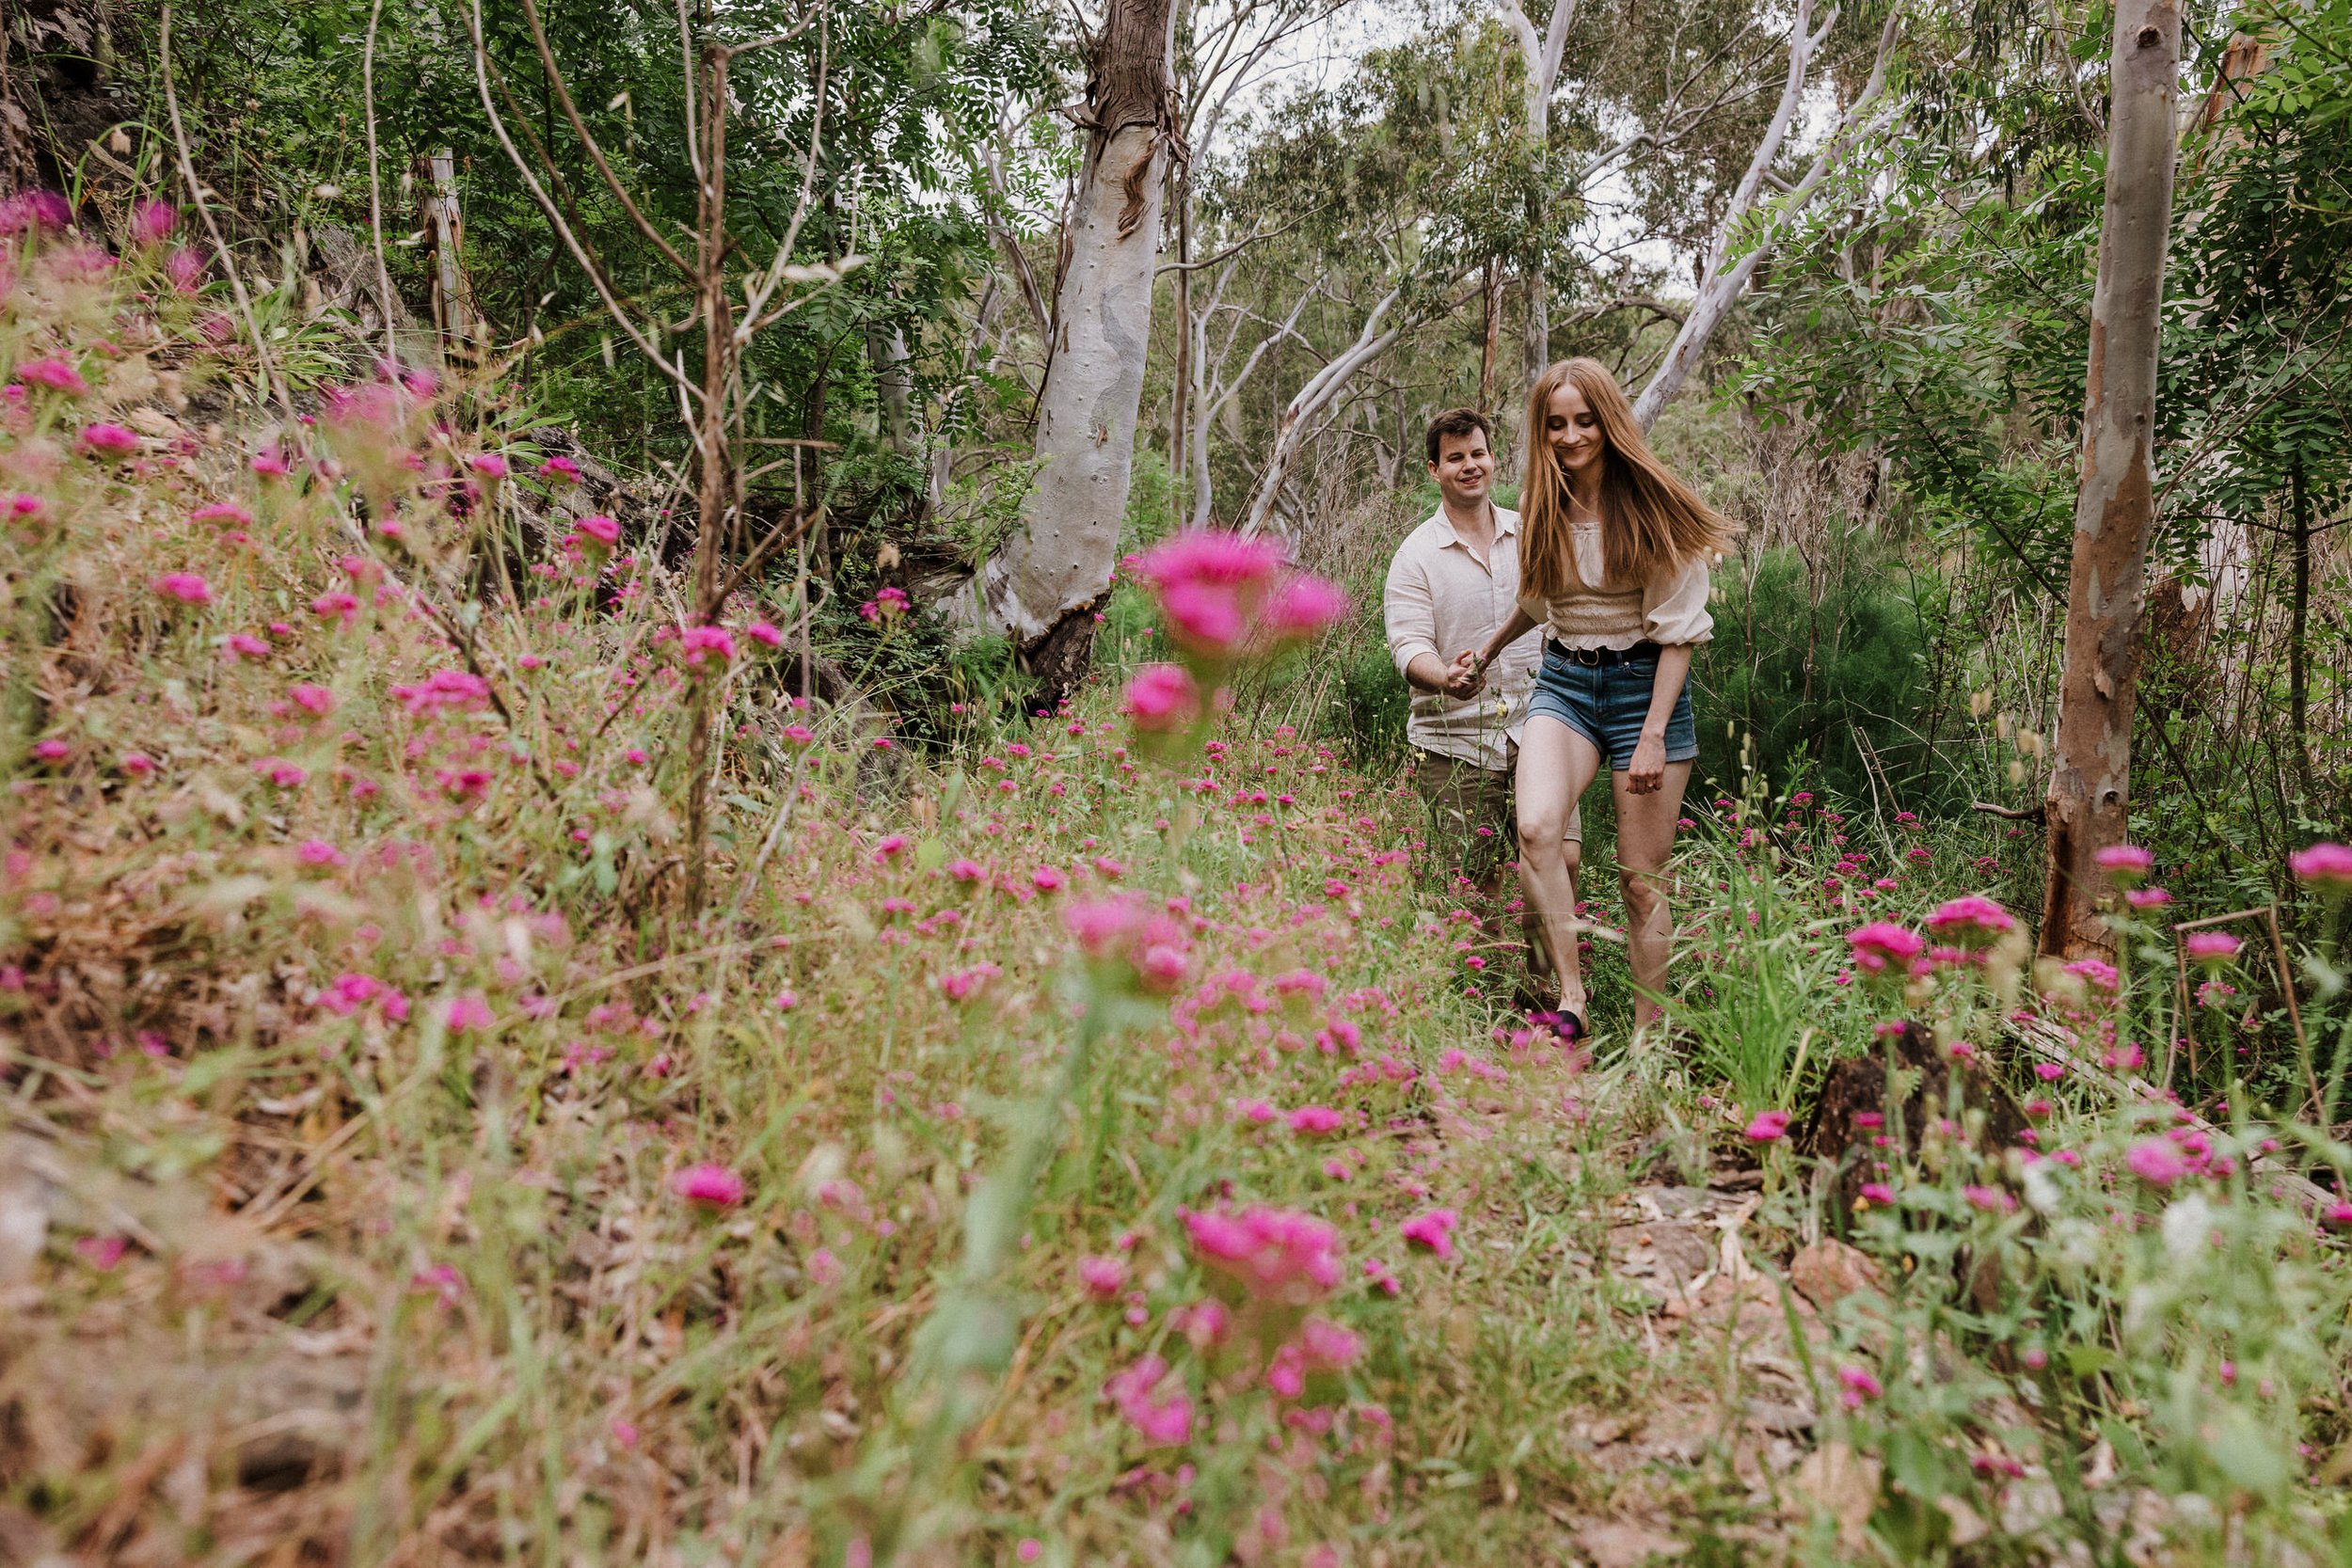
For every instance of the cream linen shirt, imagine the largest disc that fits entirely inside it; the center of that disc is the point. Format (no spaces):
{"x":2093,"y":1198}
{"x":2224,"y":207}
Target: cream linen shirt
{"x":1670,"y":613}
{"x":1440,"y":599}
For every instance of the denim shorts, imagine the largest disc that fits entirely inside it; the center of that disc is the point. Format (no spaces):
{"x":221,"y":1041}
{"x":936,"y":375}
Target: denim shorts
{"x":1609,"y":704}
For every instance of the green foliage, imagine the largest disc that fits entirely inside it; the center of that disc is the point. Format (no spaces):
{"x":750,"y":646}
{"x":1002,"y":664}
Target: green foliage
{"x":1818,"y":672}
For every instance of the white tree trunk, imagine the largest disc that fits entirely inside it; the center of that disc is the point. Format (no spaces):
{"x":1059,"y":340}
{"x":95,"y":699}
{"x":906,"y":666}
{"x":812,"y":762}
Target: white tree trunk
{"x":1322,"y":388}
{"x":1722,"y":282}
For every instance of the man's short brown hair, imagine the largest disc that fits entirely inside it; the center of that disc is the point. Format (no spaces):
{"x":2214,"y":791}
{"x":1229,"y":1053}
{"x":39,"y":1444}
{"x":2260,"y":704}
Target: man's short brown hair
{"x":1457,"y":421}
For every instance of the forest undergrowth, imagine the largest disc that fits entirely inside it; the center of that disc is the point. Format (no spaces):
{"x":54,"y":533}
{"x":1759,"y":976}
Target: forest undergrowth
{"x":1095,"y":1141}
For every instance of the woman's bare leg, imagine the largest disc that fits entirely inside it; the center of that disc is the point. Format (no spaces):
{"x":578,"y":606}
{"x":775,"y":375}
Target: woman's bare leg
{"x":1556,"y":766}
{"x":1645,"y":841}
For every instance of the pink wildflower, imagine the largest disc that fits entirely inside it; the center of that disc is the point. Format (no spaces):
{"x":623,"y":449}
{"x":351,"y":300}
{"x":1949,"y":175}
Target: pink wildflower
{"x":1768,"y":1126}
{"x":100,"y":1252}
{"x":2211,"y":948}
{"x":560,"y":467}
{"x":441,"y":692}
{"x":709,"y":1186}
{"x":2125,"y":860}
{"x":188,"y":587}
{"x":335,"y":607}
{"x":1302,"y":607}
{"x":1432,"y":1231}
{"x":765,"y":633}
{"x":1162,"y":1415}
{"x":1883,"y":943}
{"x":244,"y":644}
{"x":1103,"y":1277}
{"x":1878,"y":1191}
{"x":316,"y":701}
{"x":1991,"y":1200}
{"x":111,"y":439}
{"x":1162,"y":699}
{"x":317,"y":851}
{"x":151,"y":222}
{"x":1971,"y":922}
{"x":489,"y":465}
{"x":600,"y":532}
{"x":468,"y":1012}
{"x":1311,"y":1120}
{"x":2157,"y":1162}
{"x":1858,"y":1385}
{"x":1047,"y":879}
{"x":696,"y":643}
{"x":1272,"y":1252}
{"x":54,"y":372}
{"x":2325,"y":868}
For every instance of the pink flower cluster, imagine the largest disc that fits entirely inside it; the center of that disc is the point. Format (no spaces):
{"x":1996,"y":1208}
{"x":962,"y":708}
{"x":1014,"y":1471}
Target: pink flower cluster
{"x":1973,"y":921}
{"x":443,"y":690}
{"x":1153,"y":1402}
{"x":1276,"y":1253}
{"x":1882,"y":945}
{"x":1226,"y":597}
{"x":1126,"y":934}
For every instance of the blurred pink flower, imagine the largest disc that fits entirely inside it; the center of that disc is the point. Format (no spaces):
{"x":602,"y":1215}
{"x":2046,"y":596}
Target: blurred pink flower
{"x":1314,"y":1120}
{"x":56,"y":373}
{"x":1432,"y":1231}
{"x":600,"y":531}
{"x":468,"y":1012}
{"x":110,"y":439}
{"x":2211,"y":948}
{"x":697,"y":644}
{"x":1273,"y":1252}
{"x":2125,"y":860}
{"x":1878,"y":1191}
{"x":2326,"y":868}
{"x":1858,"y":1385}
{"x":317,"y":851}
{"x":51,"y":749}
{"x":1162,"y":699}
{"x":1883,"y":943}
{"x":2157,"y":1162}
{"x":1103,"y":1277}
{"x":1971,"y":922}
{"x":710,"y":1186}
{"x":1768,"y":1126}
{"x":188,"y":587}
{"x":1991,"y":1200}
{"x":765,"y":633}
{"x":151,"y":222}
{"x":444,"y":691}
{"x":560,"y":467}
{"x":1163,"y":1415}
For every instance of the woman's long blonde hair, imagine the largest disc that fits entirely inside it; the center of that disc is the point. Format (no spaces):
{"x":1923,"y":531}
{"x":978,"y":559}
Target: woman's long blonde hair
{"x":1651,"y":523}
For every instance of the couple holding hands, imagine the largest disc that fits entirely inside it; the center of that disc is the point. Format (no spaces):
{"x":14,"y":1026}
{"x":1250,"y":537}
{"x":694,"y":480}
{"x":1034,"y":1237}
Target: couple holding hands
{"x":1609,"y":555}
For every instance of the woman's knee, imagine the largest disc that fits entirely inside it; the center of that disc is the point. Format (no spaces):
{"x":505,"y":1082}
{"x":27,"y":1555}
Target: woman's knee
{"x":1645,"y":891}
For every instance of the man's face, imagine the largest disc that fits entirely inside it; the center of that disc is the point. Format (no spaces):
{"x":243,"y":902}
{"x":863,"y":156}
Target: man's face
{"x":1464,"y":470}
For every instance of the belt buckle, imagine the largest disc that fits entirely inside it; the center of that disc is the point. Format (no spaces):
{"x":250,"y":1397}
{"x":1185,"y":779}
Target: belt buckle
{"x":1589,"y":658}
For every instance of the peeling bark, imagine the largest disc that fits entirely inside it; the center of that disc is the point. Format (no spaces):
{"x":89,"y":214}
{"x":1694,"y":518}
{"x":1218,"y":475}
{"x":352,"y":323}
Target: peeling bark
{"x":2089,"y":797}
{"x":1042,"y":588}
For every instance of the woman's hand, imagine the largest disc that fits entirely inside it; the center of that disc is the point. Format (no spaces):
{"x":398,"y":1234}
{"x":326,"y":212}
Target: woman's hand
{"x":1647,"y":774}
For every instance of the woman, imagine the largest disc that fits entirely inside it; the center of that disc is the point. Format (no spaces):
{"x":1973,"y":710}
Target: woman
{"x":1613,"y":556}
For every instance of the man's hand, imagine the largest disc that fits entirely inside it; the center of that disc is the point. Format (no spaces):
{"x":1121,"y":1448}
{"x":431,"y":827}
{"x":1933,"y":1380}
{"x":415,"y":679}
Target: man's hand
{"x":1463,"y":677}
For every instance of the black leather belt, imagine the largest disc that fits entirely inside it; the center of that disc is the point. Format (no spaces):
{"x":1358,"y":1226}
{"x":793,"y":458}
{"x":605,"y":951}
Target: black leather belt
{"x":1602,"y":658}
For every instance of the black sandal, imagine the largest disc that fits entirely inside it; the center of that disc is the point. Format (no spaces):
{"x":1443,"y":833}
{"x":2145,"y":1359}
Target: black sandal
{"x":1568,"y":1025}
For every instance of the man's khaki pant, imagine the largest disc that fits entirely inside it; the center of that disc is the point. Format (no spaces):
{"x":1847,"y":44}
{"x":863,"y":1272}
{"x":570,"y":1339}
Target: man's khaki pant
{"x":1473,"y":834}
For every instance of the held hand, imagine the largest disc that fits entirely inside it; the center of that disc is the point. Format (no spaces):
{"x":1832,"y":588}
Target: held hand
{"x":1464,"y":677}
{"x":1647,"y":774}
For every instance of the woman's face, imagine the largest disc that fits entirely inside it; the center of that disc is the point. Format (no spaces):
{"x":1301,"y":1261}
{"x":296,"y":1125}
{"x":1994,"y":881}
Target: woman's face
{"x":1573,"y":430}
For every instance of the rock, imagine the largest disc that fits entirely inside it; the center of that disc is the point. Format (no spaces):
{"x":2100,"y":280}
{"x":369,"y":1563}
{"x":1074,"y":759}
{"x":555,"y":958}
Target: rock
{"x":1621,"y":1543}
{"x":1845,"y":1485}
{"x":1829,"y":1271}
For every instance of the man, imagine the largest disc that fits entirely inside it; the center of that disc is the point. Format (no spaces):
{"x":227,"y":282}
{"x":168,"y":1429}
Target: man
{"x":1453,"y":582}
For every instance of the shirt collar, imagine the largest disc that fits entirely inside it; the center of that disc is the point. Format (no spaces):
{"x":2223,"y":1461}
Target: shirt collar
{"x":1506,"y":521}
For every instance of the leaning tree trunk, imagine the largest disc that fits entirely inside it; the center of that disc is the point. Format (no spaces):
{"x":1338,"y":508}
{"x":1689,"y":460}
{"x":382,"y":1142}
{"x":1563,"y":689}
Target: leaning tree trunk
{"x":2089,"y":799}
{"x":1044,"y":588}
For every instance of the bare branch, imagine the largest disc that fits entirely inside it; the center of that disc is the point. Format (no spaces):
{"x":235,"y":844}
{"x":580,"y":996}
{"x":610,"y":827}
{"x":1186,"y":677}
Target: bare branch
{"x":595,"y":153}
{"x":605,"y":291}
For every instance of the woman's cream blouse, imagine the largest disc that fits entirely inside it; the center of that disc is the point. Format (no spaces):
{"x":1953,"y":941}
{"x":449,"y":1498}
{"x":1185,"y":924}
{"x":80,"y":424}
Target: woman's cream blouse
{"x":1669,"y":610}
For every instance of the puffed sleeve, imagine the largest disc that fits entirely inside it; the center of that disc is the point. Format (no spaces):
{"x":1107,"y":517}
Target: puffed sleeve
{"x":1409,"y":609}
{"x":1674,"y":611}
{"x":1537,"y":609}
